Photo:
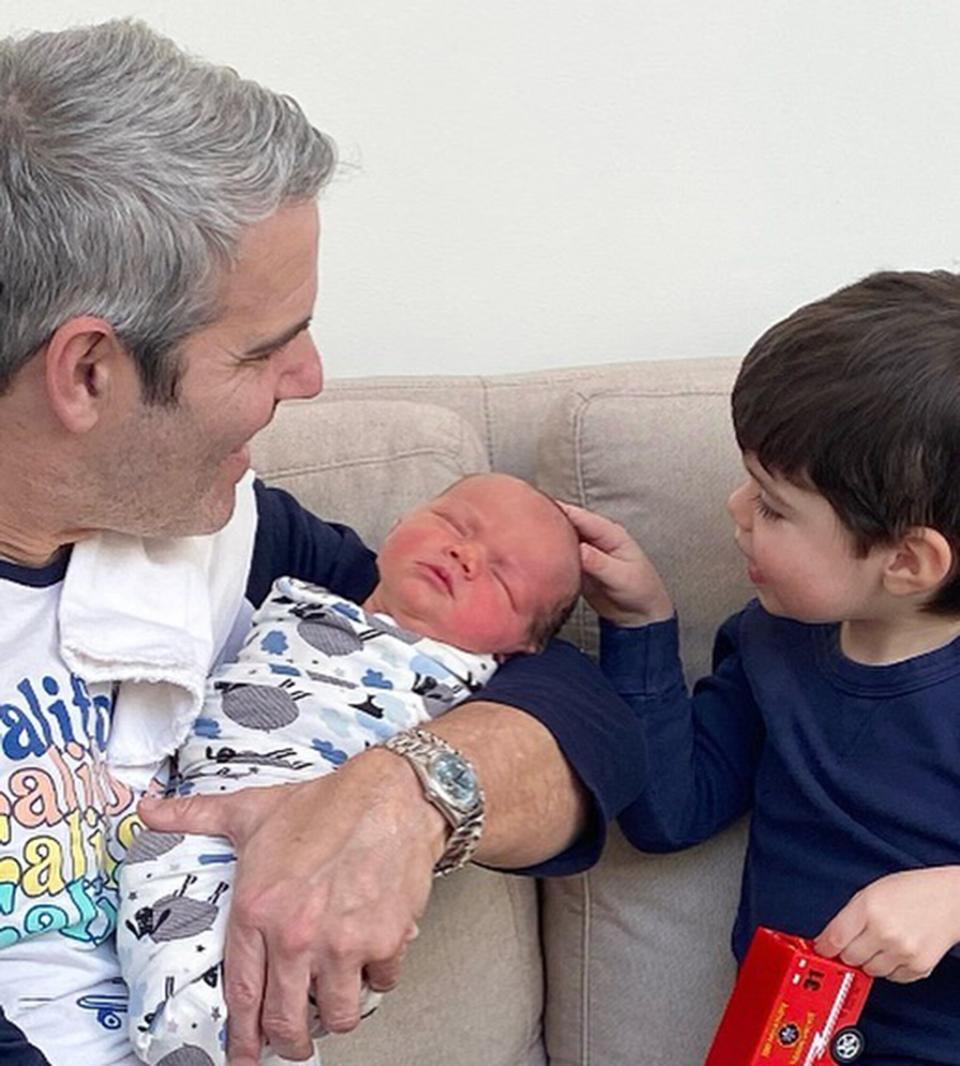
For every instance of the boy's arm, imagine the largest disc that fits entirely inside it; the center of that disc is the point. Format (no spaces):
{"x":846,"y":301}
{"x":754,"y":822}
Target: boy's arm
{"x":900,"y":926}
{"x":702,"y":751}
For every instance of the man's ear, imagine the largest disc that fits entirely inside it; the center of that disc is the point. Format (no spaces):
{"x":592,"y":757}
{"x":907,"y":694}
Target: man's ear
{"x":82,"y":360}
{"x":919,"y":563}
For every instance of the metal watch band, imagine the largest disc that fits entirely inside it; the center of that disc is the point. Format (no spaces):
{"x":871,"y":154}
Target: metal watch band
{"x":420,"y":748}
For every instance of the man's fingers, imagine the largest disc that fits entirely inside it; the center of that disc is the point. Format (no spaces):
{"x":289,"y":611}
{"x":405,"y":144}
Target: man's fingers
{"x":211,"y":815}
{"x":337,"y":990}
{"x":285,"y":1018}
{"x":244,"y":968}
{"x":385,"y":976}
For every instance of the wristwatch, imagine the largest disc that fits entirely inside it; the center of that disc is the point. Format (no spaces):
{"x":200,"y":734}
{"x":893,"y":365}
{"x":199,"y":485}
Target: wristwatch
{"x":450,"y":784}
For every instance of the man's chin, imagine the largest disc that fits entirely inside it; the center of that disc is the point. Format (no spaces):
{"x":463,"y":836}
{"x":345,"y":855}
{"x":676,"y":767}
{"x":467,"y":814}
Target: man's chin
{"x":207,"y":515}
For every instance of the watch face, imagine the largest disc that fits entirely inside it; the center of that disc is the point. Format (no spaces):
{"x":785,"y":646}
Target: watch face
{"x":456,"y":779}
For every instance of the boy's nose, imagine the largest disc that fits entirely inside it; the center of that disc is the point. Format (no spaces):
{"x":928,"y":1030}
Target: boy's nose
{"x":740,"y":507}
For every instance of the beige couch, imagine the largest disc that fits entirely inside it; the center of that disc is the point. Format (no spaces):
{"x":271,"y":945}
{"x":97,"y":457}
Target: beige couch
{"x":629,"y":963}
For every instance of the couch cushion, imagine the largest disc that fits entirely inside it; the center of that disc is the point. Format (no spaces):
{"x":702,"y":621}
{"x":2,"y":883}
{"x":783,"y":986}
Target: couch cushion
{"x":475,"y":974}
{"x":365,"y":462}
{"x":472,"y":986}
{"x":626,"y":453}
{"x":637,"y":950}
{"x":637,"y":954}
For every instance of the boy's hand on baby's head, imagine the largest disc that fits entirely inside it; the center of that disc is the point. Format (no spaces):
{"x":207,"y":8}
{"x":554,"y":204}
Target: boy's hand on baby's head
{"x":898,"y":927}
{"x":619,"y":581}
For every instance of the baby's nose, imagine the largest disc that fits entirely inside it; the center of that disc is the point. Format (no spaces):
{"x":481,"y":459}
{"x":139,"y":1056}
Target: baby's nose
{"x":469,"y":555}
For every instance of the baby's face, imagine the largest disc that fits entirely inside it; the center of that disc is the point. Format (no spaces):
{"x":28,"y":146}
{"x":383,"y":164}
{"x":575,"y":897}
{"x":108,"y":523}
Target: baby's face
{"x":477,"y":566}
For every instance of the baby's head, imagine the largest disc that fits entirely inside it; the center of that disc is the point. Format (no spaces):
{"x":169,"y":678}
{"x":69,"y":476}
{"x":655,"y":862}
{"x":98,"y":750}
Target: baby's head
{"x":857,"y":396}
{"x":490,"y":565}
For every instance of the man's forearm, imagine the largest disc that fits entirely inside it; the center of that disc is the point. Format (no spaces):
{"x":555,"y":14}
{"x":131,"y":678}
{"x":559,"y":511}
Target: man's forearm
{"x":535,"y":805}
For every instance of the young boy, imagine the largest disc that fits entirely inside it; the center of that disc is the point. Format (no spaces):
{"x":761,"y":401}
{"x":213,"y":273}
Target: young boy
{"x":834,"y":707}
{"x":488,"y":569}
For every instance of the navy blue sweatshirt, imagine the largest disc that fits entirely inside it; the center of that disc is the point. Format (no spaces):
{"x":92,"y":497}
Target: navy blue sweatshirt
{"x":852,"y":772}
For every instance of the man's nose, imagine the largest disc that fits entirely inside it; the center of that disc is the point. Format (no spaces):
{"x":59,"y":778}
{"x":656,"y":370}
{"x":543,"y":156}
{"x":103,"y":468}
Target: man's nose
{"x":302,"y":376}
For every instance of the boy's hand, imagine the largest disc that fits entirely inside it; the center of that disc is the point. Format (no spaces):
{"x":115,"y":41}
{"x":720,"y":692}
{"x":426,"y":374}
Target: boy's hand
{"x":899,"y":927}
{"x":619,"y":581}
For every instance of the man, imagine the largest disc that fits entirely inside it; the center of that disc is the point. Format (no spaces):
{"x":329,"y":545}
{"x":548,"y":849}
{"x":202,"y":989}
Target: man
{"x":158,"y":272}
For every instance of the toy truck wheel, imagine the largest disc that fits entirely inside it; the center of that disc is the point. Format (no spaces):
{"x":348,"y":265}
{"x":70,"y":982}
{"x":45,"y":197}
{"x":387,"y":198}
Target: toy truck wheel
{"x":847,"y":1045}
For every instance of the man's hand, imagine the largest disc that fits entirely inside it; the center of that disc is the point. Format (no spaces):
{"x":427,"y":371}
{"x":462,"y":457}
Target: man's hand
{"x":332,"y":876}
{"x":619,"y":581}
{"x":899,"y":927}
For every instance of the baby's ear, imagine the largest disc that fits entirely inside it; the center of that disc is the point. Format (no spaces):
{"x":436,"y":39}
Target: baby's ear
{"x":919,"y":563}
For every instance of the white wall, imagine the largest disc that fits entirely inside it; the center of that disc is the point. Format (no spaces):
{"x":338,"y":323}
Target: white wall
{"x":538,"y":183}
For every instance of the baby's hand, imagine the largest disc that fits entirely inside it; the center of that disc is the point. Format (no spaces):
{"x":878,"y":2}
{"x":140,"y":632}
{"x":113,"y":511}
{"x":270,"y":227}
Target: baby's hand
{"x":899,"y":927}
{"x":619,"y":581}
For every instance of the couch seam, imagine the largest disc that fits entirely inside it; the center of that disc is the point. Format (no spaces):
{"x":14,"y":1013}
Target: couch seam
{"x":487,"y":421}
{"x":581,"y":490}
{"x":319,"y":468}
{"x":653,"y":394}
{"x":585,"y":991}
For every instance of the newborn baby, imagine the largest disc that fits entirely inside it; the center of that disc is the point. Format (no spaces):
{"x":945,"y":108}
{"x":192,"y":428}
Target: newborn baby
{"x":490,"y":568}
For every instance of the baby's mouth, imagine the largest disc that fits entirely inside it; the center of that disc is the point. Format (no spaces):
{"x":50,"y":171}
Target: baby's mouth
{"x":439,"y":575}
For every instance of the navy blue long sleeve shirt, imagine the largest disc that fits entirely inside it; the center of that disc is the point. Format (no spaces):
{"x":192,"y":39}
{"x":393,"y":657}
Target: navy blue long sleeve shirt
{"x":852,"y":772}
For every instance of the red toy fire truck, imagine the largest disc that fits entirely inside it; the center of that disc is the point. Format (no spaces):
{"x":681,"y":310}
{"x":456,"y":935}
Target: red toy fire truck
{"x":790,"y":1007}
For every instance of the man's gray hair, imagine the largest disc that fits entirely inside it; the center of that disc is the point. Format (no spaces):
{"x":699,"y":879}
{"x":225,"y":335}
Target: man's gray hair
{"x":128,"y":172}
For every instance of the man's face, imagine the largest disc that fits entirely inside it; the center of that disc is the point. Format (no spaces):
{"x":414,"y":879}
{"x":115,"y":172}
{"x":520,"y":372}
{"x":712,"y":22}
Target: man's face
{"x":173,"y":470}
{"x":478,"y":565}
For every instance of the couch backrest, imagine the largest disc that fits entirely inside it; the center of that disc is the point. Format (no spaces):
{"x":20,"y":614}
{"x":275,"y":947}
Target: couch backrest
{"x":647,"y":443}
{"x":636,"y":951}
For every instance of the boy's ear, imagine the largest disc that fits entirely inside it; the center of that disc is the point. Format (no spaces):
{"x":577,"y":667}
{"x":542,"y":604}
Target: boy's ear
{"x":81,"y":361}
{"x":919,"y":563}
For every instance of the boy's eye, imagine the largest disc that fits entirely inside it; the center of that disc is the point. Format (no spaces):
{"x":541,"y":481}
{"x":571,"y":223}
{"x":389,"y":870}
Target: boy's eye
{"x":764,"y":509}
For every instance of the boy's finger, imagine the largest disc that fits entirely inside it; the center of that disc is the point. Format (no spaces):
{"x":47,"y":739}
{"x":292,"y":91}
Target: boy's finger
{"x":843,"y":928}
{"x":606,"y":534}
{"x":594,"y":561}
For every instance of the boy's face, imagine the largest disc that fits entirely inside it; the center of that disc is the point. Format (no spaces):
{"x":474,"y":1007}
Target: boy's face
{"x":478,"y":565}
{"x":800,"y":557}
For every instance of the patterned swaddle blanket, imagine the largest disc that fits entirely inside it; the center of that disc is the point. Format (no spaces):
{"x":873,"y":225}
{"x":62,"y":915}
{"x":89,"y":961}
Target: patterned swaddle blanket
{"x":317,"y":681}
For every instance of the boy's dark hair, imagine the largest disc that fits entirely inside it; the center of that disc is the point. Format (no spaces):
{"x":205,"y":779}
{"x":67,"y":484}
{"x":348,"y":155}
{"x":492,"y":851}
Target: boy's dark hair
{"x":858,"y":396}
